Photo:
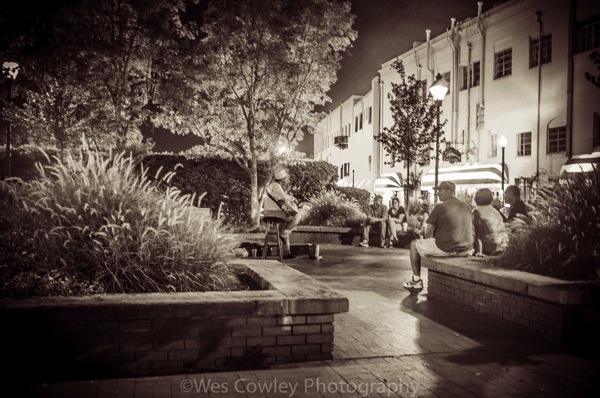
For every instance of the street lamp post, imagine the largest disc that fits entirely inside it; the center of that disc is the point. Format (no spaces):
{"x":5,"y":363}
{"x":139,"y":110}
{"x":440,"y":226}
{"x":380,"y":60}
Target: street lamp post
{"x":438,"y":91}
{"x":502,"y":141}
{"x":10,"y":71}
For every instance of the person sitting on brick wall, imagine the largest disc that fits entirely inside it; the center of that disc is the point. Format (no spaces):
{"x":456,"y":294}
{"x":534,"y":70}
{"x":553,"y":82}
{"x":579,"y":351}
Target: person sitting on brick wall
{"x":449,"y":233}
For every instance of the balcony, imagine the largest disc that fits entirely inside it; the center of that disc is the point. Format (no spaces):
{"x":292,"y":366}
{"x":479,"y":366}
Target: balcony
{"x":341,"y":141}
{"x":453,"y":152}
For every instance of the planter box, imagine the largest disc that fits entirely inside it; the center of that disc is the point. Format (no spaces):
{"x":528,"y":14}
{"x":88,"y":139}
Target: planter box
{"x":561,"y":311}
{"x":56,"y":338}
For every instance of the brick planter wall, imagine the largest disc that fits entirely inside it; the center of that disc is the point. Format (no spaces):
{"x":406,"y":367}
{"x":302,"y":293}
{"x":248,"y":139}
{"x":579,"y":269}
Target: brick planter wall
{"x":151,"y":334}
{"x":561,"y":311}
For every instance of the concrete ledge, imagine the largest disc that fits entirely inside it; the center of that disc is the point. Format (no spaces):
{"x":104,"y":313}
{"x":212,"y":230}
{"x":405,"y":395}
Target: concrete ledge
{"x":60,"y":338}
{"x":344,"y":236}
{"x":562,"y":311}
{"x":538,"y":286}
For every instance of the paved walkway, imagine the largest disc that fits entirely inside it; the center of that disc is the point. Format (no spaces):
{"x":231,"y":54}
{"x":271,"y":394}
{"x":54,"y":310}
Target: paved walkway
{"x":389,"y":344}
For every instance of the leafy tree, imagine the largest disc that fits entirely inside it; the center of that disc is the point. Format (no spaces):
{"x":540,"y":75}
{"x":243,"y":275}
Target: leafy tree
{"x":130,"y":47}
{"x":54,"y":110}
{"x":104,"y":65}
{"x":414,"y":130}
{"x":265,"y":66}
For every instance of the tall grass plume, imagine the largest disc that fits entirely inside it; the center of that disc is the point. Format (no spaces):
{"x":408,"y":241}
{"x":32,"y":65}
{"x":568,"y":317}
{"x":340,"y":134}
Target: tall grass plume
{"x":97,"y":224}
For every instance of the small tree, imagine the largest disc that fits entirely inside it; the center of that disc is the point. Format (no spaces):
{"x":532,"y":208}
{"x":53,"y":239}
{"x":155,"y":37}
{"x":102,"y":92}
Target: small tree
{"x":414,"y":130}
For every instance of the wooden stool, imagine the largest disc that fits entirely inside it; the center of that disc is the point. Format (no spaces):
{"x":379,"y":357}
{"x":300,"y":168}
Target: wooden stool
{"x":272,"y":221}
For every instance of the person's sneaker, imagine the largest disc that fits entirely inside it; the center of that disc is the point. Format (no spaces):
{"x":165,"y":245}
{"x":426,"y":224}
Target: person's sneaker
{"x":394,"y":239}
{"x":412,"y":284}
{"x":383,"y":246}
{"x":364,"y":243}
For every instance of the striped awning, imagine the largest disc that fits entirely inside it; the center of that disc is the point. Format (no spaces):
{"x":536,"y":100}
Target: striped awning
{"x":389,"y":182}
{"x":581,"y":163}
{"x":484,"y":174}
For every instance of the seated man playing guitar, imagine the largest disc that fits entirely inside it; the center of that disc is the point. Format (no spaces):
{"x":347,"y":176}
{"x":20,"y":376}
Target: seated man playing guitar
{"x":279,"y":204}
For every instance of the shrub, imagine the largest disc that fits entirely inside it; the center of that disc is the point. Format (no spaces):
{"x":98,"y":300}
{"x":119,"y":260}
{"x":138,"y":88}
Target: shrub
{"x":225,"y":183}
{"x":222,"y":182}
{"x":331,"y":209}
{"x":562,"y":239}
{"x":309,"y":179}
{"x":94,"y":225}
{"x":361,"y":196}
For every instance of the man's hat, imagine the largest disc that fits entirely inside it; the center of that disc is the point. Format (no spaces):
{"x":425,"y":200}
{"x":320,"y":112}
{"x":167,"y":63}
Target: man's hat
{"x":446,"y":185}
{"x":377,"y":197}
{"x":281,"y":174}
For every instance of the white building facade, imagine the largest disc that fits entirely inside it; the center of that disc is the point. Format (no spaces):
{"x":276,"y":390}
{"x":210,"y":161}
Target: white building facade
{"x":517,"y":70}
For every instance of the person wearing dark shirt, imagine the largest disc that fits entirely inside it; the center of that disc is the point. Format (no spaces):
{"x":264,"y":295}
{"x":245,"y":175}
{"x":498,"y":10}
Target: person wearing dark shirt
{"x":518,"y":208}
{"x":396,"y":215}
{"x":377,"y":215}
{"x":450,"y":233}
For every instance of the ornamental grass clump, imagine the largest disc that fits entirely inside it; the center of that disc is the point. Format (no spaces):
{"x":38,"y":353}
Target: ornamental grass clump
{"x":97,"y":224}
{"x":332,"y":209}
{"x":562,"y":239}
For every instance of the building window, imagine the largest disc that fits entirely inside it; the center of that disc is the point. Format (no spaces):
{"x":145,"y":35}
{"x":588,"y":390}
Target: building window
{"x":524,"y":144}
{"x":424,"y":89}
{"x":503,"y":63}
{"x":534,"y":50}
{"x":557,"y":139}
{"x":355,"y":124}
{"x":370,"y":114}
{"x":587,"y":36}
{"x":476,"y":74}
{"x":494,"y":145}
{"x":474,"y":79}
{"x":369,"y":162}
{"x":360,"y":121}
{"x":465,"y":77}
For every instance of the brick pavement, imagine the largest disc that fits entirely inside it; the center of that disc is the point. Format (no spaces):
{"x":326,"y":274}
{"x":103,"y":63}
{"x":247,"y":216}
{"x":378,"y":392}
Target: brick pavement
{"x":389,"y":344}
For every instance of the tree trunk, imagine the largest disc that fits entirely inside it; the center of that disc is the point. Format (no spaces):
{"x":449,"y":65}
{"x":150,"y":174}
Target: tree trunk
{"x":254,"y":205}
{"x":406,"y":194}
